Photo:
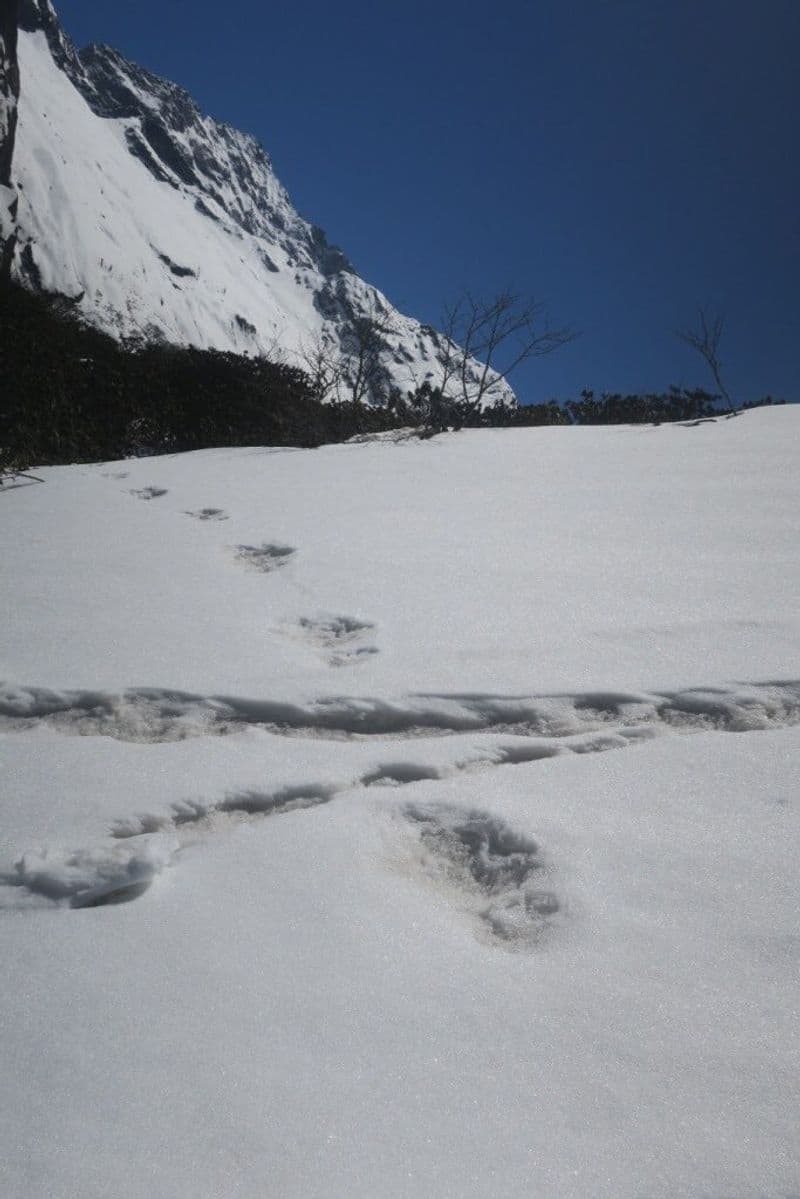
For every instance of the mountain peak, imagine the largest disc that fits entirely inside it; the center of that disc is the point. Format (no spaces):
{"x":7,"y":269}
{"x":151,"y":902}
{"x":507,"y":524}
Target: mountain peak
{"x":167,"y":224}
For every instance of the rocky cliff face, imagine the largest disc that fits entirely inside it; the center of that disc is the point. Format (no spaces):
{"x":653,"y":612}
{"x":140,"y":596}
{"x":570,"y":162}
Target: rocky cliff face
{"x":163,"y":223}
{"x":9,"y":97}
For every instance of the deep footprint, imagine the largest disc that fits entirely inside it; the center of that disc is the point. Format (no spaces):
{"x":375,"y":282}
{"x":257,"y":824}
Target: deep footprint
{"x":498,"y":870}
{"x":344,"y":640}
{"x":148,"y":493}
{"x":267,"y":557}
{"x":208,"y":514}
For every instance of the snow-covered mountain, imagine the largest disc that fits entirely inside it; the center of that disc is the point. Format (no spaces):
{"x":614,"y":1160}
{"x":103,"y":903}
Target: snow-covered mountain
{"x":166,"y":223}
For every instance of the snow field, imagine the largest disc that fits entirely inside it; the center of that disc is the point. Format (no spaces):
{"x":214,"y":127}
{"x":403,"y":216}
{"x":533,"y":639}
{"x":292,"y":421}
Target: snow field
{"x":310,"y":999}
{"x":544,"y":562}
{"x":316,"y":877}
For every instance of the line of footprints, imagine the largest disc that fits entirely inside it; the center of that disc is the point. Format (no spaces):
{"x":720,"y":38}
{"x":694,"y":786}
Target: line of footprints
{"x":341,"y":640}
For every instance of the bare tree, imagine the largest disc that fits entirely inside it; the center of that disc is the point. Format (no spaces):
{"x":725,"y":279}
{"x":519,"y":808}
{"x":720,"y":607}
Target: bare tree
{"x":485,"y":340}
{"x":352,"y":369}
{"x":705,"y":339}
{"x":364,"y":341}
{"x":323,"y":365}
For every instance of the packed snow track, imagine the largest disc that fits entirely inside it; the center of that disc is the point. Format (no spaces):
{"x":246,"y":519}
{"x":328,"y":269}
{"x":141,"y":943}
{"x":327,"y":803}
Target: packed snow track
{"x":153,"y":714}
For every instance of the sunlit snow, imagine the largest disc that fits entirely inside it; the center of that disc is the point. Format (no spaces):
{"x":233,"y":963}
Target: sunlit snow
{"x":405,"y":819}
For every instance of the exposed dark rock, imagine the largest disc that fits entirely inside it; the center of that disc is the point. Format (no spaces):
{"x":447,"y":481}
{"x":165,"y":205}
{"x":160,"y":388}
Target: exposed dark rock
{"x":9,"y":95}
{"x":245,"y":325}
{"x":9,"y":89}
{"x":140,"y":149}
{"x":330,"y":259}
{"x":268,"y":263}
{"x":30,"y":270}
{"x":40,"y":15}
{"x":201,"y":206}
{"x":157,"y":136}
{"x":182,"y":272}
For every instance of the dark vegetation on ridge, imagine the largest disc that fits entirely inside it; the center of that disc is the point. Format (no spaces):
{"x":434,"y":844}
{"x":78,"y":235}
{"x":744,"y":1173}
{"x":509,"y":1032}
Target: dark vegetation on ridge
{"x":70,"y":393}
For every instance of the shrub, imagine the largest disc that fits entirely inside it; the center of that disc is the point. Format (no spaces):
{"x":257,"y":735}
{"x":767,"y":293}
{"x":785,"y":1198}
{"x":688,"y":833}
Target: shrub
{"x":71,"y":393}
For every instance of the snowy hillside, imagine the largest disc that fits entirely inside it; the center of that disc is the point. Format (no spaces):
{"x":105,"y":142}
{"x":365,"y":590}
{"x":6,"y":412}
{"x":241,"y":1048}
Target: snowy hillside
{"x":458,"y":826}
{"x":165,"y":223}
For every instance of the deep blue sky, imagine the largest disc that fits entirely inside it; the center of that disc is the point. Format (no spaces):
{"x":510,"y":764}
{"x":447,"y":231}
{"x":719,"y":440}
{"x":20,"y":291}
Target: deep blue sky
{"x":624,"y":160}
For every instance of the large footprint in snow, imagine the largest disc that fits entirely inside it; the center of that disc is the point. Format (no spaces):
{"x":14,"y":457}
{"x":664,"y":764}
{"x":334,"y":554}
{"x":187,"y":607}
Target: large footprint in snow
{"x":499,"y":871}
{"x":267,"y":557}
{"x":342,"y":640}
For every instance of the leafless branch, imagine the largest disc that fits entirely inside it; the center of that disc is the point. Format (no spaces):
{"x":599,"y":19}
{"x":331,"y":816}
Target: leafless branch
{"x":8,"y":479}
{"x":323,"y":365}
{"x":363,"y":371}
{"x":497,"y":335}
{"x":705,"y":339}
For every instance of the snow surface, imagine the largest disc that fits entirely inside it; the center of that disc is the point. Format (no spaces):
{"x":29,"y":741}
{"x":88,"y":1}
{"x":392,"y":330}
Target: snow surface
{"x":316,"y":877}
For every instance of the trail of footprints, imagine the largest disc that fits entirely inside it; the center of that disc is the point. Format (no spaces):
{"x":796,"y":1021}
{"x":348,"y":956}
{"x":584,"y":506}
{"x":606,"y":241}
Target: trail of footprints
{"x":340,"y":640}
{"x":500,"y":875}
{"x":497,"y":873}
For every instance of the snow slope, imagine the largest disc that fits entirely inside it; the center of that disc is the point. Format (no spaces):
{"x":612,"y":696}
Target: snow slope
{"x":164,"y":223}
{"x":399,"y":919}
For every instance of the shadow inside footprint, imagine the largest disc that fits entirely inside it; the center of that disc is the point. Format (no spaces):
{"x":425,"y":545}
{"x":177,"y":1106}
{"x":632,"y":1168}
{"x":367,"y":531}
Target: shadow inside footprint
{"x":493,"y":865}
{"x":335,"y":628}
{"x":267,"y":557}
{"x":341,"y":638}
{"x":109,"y":898}
{"x":351,"y":656}
{"x":148,"y":493}
{"x":208,"y":514}
{"x":397,"y":774}
{"x":94,"y":876}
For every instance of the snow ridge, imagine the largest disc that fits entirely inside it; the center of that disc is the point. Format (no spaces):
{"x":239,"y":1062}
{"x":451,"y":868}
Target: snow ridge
{"x":158,"y":715}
